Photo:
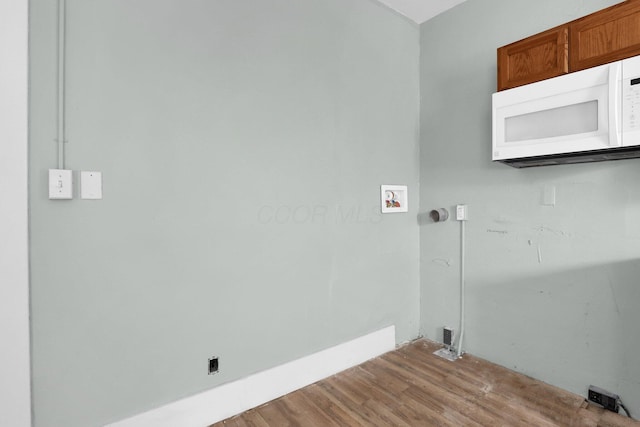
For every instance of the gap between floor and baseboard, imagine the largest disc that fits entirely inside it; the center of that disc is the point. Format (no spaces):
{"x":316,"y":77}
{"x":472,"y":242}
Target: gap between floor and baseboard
{"x":233,"y":398}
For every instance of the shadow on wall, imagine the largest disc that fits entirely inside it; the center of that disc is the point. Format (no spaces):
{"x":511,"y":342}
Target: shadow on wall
{"x":579,"y":326}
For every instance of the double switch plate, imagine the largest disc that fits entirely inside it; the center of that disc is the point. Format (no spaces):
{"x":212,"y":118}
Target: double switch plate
{"x":61,"y":184}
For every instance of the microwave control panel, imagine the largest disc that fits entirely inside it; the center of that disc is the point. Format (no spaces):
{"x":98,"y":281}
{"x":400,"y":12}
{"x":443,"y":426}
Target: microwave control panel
{"x":631,"y":101}
{"x":631,"y":105}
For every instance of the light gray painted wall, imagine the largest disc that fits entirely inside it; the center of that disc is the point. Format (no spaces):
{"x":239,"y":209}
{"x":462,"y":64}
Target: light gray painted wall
{"x":568,"y":316}
{"x":242,"y":146}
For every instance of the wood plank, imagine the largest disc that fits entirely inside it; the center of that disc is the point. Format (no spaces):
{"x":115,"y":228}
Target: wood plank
{"x":311,"y":411}
{"x":247,"y":419}
{"x":332,"y":408}
{"x":273,"y":415}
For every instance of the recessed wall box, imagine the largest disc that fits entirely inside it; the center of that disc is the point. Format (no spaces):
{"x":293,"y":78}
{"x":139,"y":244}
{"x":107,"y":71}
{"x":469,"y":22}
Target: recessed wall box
{"x":213,"y":365}
{"x":447,"y":336}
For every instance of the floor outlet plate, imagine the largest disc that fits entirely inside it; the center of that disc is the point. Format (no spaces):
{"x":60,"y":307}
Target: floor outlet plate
{"x":445,"y":353}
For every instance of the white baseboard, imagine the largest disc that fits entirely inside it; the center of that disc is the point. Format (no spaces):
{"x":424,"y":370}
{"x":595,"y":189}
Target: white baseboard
{"x":234,"y":398}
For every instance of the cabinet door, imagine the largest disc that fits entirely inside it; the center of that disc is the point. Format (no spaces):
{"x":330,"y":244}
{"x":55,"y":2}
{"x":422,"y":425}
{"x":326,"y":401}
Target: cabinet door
{"x":535,"y":58}
{"x":605,"y":36}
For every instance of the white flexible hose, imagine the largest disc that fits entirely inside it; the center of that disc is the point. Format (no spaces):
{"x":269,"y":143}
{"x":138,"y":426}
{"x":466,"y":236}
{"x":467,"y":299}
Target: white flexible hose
{"x":61,"y":80}
{"x":462,"y":286}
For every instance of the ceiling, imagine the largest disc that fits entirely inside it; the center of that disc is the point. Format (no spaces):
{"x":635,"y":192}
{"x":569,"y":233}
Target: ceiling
{"x":420,"y":10}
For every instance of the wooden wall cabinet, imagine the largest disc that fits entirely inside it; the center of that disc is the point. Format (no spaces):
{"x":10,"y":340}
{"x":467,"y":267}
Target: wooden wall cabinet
{"x":605,"y":36}
{"x":535,"y":58}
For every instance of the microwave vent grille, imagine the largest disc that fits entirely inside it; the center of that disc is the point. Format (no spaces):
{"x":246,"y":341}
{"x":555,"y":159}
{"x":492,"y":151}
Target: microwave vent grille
{"x":571,"y":158}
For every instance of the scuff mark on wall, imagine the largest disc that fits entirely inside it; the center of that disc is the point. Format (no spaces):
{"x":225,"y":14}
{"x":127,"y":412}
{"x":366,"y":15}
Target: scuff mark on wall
{"x":443,"y":262}
{"x":613,"y":295}
{"x":539,"y":255}
{"x":497,"y":231}
{"x":504,"y":221}
{"x":586,"y":317}
{"x":561,"y":233}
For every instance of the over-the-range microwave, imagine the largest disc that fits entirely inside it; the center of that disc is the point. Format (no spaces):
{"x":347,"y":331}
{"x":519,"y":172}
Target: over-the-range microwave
{"x":585,"y":116}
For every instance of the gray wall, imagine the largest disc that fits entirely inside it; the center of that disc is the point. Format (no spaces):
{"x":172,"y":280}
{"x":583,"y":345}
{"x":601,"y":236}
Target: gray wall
{"x":568,"y":316}
{"x":242,"y":146}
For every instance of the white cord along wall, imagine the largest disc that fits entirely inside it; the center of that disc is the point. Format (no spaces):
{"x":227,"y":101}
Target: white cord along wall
{"x":461,"y":215}
{"x":61,"y":179}
{"x":449,"y":352}
{"x":62,"y":41}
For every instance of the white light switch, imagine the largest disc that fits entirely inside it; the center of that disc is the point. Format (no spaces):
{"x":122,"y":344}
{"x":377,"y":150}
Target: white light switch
{"x":60,"y":184}
{"x":91,"y":185}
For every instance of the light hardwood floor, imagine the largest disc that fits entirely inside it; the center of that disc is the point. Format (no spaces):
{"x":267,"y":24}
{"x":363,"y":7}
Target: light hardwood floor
{"x":412,"y":387}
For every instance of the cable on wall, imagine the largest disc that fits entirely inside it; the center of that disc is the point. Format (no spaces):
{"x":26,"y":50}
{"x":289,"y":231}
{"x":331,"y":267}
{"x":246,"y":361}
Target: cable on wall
{"x":449,"y":352}
{"x":624,"y":408}
{"x":462,"y":283}
{"x":61,"y":137}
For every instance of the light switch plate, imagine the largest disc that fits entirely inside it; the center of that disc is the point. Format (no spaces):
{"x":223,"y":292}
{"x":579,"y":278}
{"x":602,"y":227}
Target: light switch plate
{"x":60,"y":184}
{"x":91,"y":185}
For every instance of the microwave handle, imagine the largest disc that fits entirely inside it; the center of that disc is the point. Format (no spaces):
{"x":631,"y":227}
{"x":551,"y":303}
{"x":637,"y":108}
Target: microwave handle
{"x":615,"y":90}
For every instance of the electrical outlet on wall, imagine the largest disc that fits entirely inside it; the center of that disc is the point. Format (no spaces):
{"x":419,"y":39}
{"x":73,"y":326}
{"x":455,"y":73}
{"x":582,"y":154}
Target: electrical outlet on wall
{"x":604,"y":398}
{"x":447,"y":336}
{"x":213,"y":365}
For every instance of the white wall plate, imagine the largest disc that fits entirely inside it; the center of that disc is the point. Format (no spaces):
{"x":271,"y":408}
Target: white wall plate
{"x":60,"y":184}
{"x":91,"y":185}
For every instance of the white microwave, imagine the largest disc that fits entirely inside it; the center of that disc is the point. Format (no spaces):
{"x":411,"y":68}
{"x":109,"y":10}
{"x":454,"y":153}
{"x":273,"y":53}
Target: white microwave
{"x":586,"y":116}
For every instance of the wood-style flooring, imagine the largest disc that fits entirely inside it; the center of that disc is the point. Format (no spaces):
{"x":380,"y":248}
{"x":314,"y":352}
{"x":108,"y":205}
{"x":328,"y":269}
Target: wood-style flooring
{"x":412,"y":387}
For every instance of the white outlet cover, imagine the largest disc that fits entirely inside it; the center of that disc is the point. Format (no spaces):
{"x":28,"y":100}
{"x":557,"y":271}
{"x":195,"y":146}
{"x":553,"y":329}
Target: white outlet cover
{"x":60,"y":184}
{"x":91,"y":185}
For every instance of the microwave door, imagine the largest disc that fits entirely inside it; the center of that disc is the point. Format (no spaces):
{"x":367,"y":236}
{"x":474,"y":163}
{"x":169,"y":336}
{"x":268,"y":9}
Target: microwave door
{"x":560,"y":115}
{"x":576,"y":118}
